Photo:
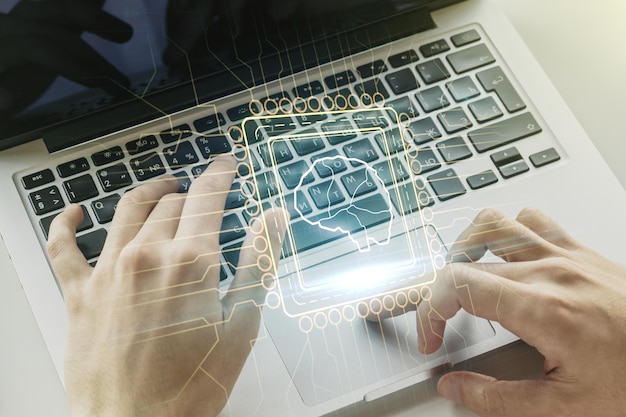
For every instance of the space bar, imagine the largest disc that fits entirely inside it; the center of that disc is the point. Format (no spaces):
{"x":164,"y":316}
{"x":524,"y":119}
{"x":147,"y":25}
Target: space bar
{"x":336,"y":223}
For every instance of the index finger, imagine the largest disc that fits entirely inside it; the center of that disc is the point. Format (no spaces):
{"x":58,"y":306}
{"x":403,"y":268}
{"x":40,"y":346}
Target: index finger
{"x":506,"y":238}
{"x":201,"y":217}
{"x":481,"y":293}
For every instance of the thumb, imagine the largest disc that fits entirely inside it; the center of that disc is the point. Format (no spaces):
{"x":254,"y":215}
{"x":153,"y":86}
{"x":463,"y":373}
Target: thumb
{"x":487,"y":396}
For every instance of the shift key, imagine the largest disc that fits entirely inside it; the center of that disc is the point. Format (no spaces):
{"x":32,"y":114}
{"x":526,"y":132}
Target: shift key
{"x":504,"y":132}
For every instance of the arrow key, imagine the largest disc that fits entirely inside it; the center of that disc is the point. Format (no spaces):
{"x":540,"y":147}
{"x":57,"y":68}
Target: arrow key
{"x":482,"y":180}
{"x":513,"y":169}
{"x":546,"y":157}
{"x":506,"y":156}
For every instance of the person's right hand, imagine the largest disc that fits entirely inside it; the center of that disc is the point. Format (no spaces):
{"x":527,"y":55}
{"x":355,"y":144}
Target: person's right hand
{"x":555,"y":294}
{"x":40,"y":40}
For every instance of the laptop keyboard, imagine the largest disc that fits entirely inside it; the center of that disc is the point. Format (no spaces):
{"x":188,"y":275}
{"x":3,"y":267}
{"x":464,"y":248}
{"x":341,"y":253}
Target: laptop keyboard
{"x":450,"y":99}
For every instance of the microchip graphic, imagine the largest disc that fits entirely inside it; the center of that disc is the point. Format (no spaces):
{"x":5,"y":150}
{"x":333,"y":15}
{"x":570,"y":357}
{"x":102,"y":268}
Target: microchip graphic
{"x":356,"y":226}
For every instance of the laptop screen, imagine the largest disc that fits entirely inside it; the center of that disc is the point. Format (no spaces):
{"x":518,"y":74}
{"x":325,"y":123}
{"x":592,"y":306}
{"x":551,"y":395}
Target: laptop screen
{"x":124,"y":61}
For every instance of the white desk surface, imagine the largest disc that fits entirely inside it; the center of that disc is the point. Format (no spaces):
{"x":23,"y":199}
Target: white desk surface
{"x":581,"y":46}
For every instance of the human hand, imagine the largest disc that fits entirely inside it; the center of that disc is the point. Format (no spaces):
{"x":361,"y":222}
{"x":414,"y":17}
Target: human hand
{"x":149,"y":331}
{"x":555,"y":294}
{"x":40,"y":40}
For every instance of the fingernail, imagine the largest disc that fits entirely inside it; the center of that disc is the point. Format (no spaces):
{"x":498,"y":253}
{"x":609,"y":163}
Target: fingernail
{"x":450,"y":389}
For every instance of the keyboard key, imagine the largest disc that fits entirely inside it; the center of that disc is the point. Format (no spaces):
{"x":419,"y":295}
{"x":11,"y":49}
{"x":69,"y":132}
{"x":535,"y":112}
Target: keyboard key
{"x":403,"y":110}
{"x":371,"y":120}
{"x":410,"y":197}
{"x":329,"y":163}
{"x":147,"y":166}
{"x":434,"y":48}
{"x":546,"y":157}
{"x":504,"y":132}
{"x":143,"y":144}
{"x":336,"y":223}
{"x":184,"y":182}
{"x":236,"y":197}
{"x":37,"y":179}
{"x":104,"y":209}
{"x":297,"y":205}
{"x":46,"y":200}
{"x":339,"y":131}
{"x":114,"y":177}
{"x":107,"y":156}
{"x":266,"y":185}
{"x":86,"y":224}
{"x":462,"y":89}
{"x":176,"y":133}
{"x":454,"y":120}
{"x":466,"y":38}
{"x":402,"y":81}
{"x":432,"y":99}
{"x":494,"y":79}
{"x":210,"y":122}
{"x":310,"y":118}
{"x":307,"y":90}
{"x":308,"y":142}
{"x":180,"y":155}
{"x":276,"y":126}
{"x":403,"y":58}
{"x":470,"y":58}
{"x":425,"y":161}
{"x":91,"y":244}
{"x":361,"y":151}
{"x":242,"y":111}
{"x":371,"y":91}
{"x":390,"y":142}
{"x":326,"y":194}
{"x":275,"y":153}
{"x":485,"y":110}
{"x":391,"y":171}
{"x":433,"y":71}
{"x":292,"y":174}
{"x":506,"y":156}
{"x":232,"y":229}
{"x":252,"y":211}
{"x":446,"y":184}
{"x":453,"y":150}
{"x":372,"y":69}
{"x":360,"y":182}
{"x":231,"y":255}
{"x":423,"y":131}
{"x":251,"y":162}
{"x":80,"y":189}
{"x":73,"y":167}
{"x":252,"y":133}
{"x":513,"y":169}
{"x":340,"y":79}
{"x":482,"y":180}
{"x":212,"y":145}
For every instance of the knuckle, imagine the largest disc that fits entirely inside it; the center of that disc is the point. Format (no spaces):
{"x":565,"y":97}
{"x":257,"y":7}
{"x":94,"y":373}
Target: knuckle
{"x":55,"y":247}
{"x":489,"y":216}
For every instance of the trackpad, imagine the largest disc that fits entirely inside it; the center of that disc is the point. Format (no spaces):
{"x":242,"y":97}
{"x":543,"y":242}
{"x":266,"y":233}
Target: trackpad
{"x":330,"y":350}
{"x":329,"y":357}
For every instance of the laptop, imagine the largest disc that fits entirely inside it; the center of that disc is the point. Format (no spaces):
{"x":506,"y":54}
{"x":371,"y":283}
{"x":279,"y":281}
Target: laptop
{"x":382,"y":126}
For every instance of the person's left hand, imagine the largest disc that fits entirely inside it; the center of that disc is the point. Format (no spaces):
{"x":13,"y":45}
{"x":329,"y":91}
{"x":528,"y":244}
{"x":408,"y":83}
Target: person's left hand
{"x":149,"y":332}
